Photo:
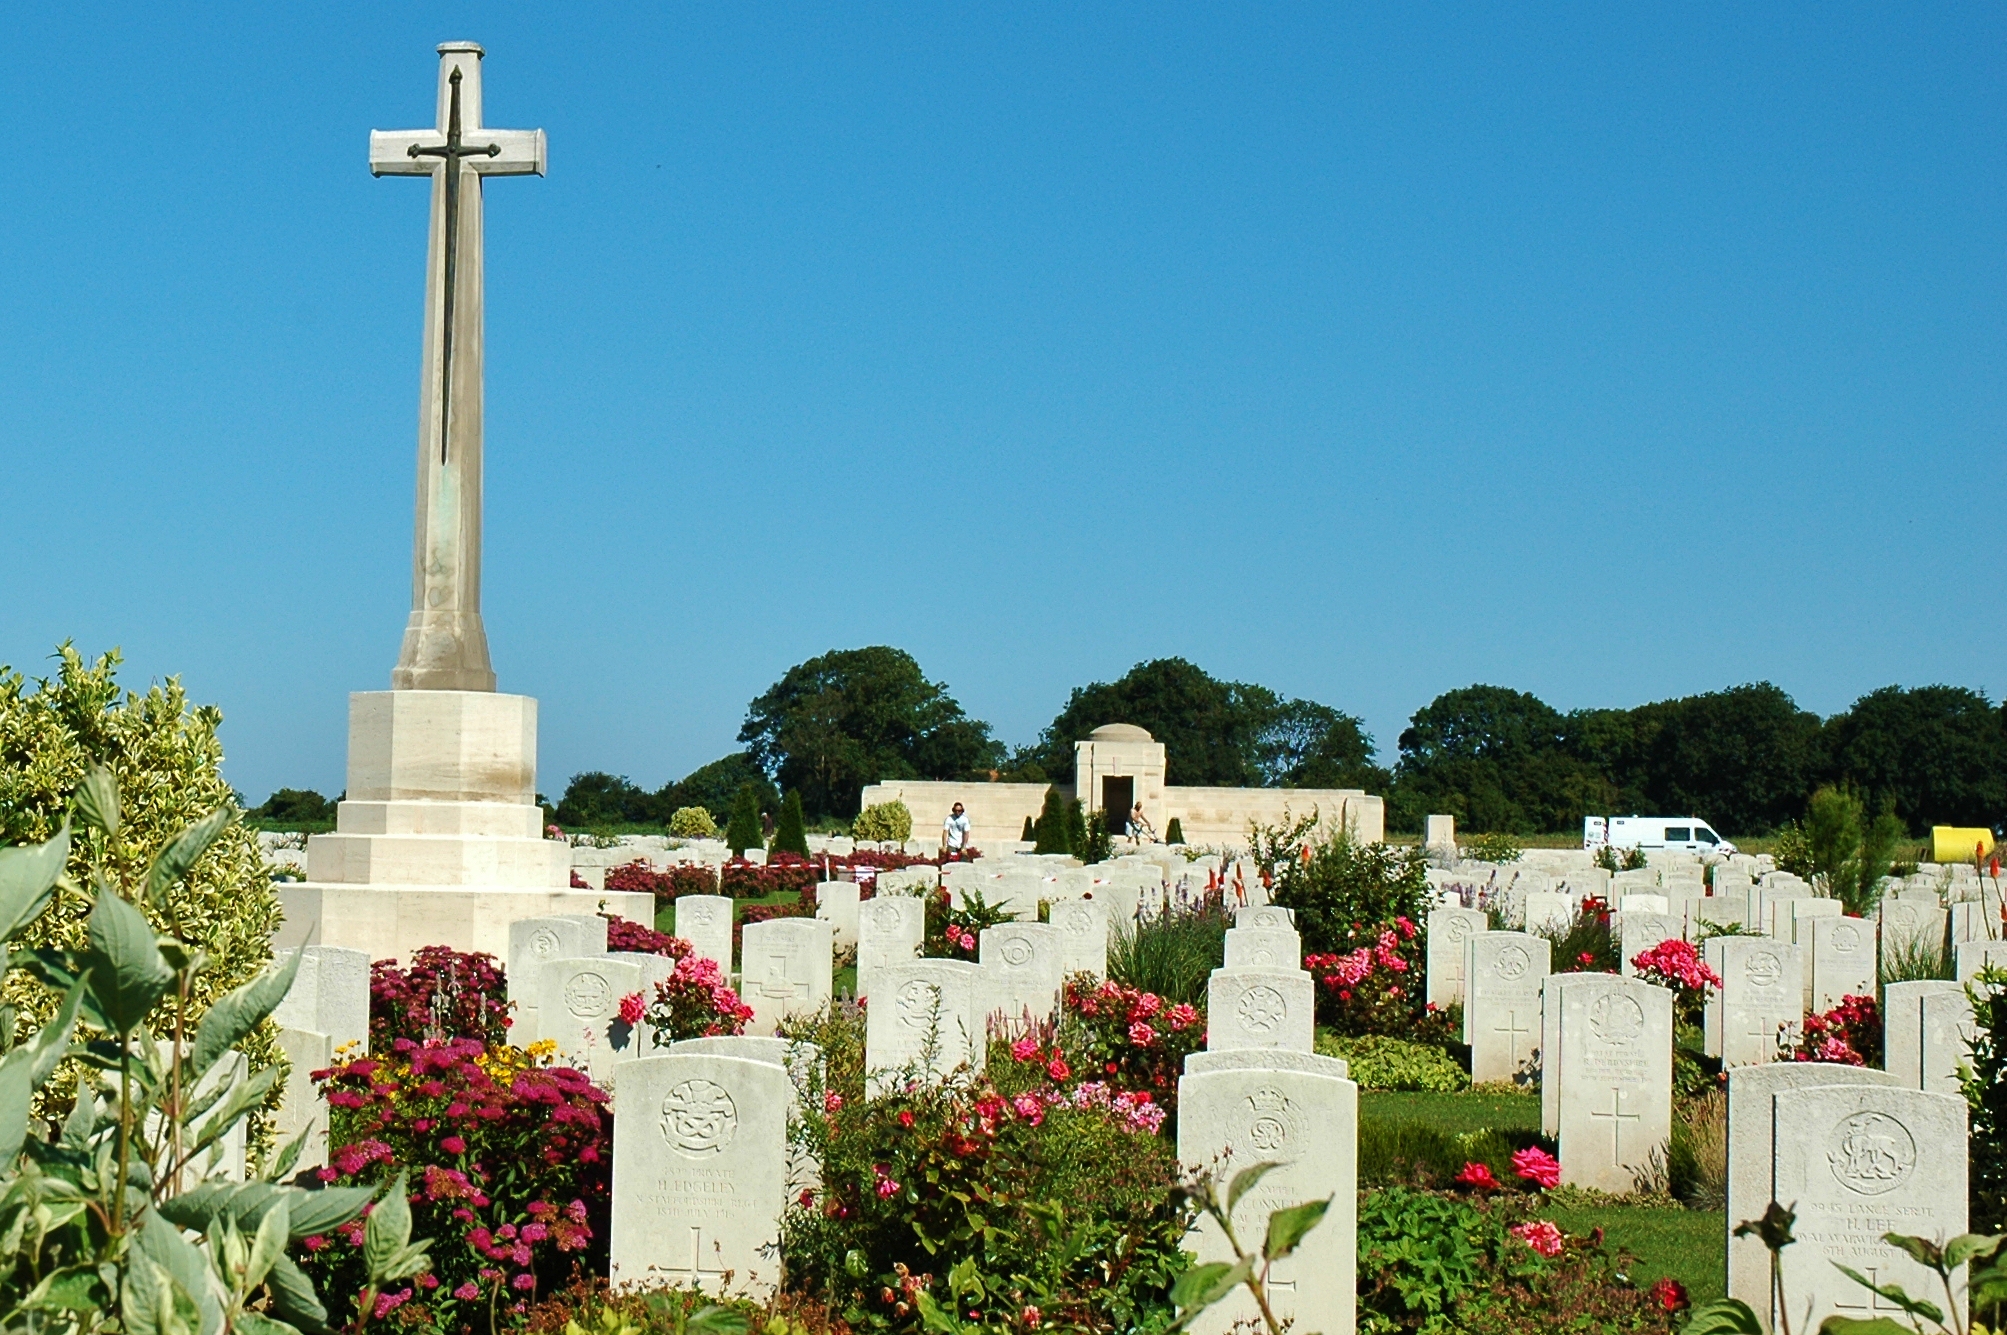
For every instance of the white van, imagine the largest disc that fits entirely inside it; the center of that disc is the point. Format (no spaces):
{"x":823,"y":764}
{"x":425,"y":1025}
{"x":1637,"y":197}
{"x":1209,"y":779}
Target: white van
{"x":1687,"y":834}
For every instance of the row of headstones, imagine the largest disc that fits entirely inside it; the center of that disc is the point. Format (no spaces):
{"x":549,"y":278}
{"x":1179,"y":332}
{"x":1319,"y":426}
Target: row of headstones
{"x":1258,"y":1092}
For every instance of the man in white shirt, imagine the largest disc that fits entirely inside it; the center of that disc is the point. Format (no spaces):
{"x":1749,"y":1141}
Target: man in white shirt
{"x":955,"y":831}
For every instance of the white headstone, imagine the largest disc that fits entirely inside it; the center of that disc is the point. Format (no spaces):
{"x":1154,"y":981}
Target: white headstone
{"x":1639,"y":931}
{"x":890,"y":930}
{"x":1976,"y":955}
{"x":1946,"y":1024}
{"x":330,"y":995}
{"x":1861,"y":1161}
{"x":699,"y":1172}
{"x":705,"y":921}
{"x":1501,"y":1018}
{"x":1447,"y":931}
{"x":1550,"y":1045}
{"x":925,"y":1012}
{"x":579,"y":1010}
{"x":1439,"y":832}
{"x":302,"y":1110}
{"x":1843,"y":960}
{"x":786,"y":968}
{"x":1265,"y":915}
{"x":1616,"y":1081}
{"x":1083,"y":936}
{"x":1549,"y":910}
{"x":836,"y":903}
{"x":1260,"y":1008}
{"x":1263,"y":948}
{"x":1902,"y":1027}
{"x":1910,"y":927}
{"x":1309,"y":1123}
{"x":1752,"y":1143}
{"x":1023,"y":970}
{"x":1760,"y":994}
{"x":1645,"y":904}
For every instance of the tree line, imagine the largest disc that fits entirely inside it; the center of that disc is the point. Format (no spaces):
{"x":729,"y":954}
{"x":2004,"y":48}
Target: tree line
{"x":1746,"y":759}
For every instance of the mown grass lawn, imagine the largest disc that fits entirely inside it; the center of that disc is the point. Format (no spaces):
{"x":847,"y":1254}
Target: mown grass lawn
{"x":1688,"y":1245}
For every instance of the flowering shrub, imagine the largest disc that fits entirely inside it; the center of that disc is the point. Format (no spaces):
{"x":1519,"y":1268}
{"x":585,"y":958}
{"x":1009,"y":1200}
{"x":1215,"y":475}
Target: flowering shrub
{"x":696,"y":1001}
{"x":1676,"y":964}
{"x":785,"y":871}
{"x":955,"y":933}
{"x":666,"y":886}
{"x":1371,"y":989}
{"x":509,"y":1162}
{"x":1850,"y":1034}
{"x":1585,"y":943}
{"x":1033,"y":1191}
{"x":1131,"y":1039}
{"x":635,"y":939}
{"x":444,"y":994}
{"x":1483,"y":1265}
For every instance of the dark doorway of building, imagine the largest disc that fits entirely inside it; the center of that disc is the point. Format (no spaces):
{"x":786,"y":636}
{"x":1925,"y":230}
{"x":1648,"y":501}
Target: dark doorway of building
{"x":1117,"y":796}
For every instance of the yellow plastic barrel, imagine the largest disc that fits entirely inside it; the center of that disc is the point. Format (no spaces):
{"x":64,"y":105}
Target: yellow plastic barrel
{"x":1955,"y":843}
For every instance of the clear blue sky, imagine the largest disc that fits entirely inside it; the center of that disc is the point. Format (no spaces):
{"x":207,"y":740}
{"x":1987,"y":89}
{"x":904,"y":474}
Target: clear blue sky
{"x":1609,"y":355}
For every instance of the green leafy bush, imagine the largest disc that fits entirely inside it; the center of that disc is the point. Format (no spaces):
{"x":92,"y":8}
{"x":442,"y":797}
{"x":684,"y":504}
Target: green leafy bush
{"x":1493,"y":847}
{"x":1439,"y":1264}
{"x":883,"y":822}
{"x":1343,"y":887}
{"x":1585,"y":943}
{"x":1382,"y":1062}
{"x":97,"y":1211}
{"x":692,"y":823}
{"x":164,"y":757}
{"x":1840,"y":850}
{"x":1986,"y":1091}
{"x":791,"y":835}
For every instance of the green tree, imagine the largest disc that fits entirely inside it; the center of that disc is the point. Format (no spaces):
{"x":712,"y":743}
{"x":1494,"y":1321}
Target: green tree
{"x":1307,"y":745}
{"x":853,"y":717}
{"x":1050,"y":831}
{"x":1743,"y":759}
{"x":715,"y":787}
{"x":743,"y":830}
{"x":301,"y":806}
{"x":1076,"y":829}
{"x":1938,"y":753}
{"x":1493,"y":758}
{"x":597,"y":798}
{"x":1174,"y":833}
{"x":1029,"y":833}
{"x":1847,"y":853}
{"x":791,"y":835}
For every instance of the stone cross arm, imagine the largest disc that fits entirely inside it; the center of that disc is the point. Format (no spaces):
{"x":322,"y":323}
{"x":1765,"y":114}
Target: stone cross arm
{"x":518,"y":152}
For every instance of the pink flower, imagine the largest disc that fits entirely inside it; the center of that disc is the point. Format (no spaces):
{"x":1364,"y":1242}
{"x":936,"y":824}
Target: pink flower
{"x":1024,"y":1049}
{"x":1058,"y":1069}
{"x":1540,"y":1235}
{"x":1538,"y":1166}
{"x":832,"y":1102}
{"x":1142,"y":1035}
{"x":632,"y":1008}
{"x":453,"y":1145}
{"x":1029,"y":1108}
{"x":467,"y":1293}
{"x":523,"y":1281}
{"x":1031,"y":1317}
{"x":1183,"y":1016}
{"x":1477,"y":1175}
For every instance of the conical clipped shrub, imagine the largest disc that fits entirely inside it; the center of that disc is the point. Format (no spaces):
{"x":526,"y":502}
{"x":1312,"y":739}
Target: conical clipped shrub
{"x":1050,"y":832}
{"x":1076,"y":829}
{"x":1097,"y":846}
{"x":791,"y":835}
{"x":1030,"y":833}
{"x":1174,"y":833}
{"x":742,"y":831}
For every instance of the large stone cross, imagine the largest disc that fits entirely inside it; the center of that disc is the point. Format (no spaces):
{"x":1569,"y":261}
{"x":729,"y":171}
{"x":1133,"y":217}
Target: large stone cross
{"x":445,"y":645}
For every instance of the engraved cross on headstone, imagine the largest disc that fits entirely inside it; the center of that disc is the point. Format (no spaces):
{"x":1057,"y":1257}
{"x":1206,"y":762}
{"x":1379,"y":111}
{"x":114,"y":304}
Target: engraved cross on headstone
{"x":1513,"y":1031}
{"x":1873,"y":1303}
{"x":696,"y":1272}
{"x":1616,"y":1117}
{"x":445,"y":644}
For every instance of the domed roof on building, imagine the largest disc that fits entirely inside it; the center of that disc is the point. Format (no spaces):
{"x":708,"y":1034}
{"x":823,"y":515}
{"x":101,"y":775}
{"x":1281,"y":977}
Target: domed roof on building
{"x":1119,"y":732}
